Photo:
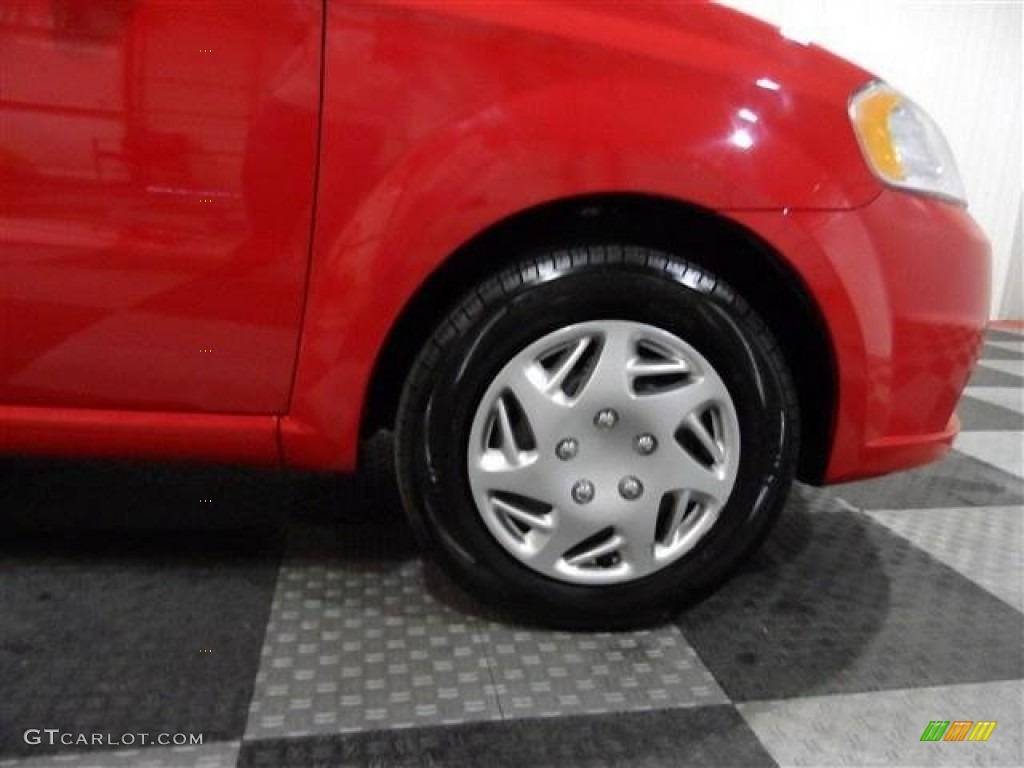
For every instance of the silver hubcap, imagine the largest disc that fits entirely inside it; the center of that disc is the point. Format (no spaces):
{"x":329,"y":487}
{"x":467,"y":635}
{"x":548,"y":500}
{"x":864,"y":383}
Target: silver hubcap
{"x":654,"y":452}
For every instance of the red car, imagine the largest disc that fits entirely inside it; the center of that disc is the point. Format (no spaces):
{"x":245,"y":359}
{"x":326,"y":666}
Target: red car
{"x":614,"y":273}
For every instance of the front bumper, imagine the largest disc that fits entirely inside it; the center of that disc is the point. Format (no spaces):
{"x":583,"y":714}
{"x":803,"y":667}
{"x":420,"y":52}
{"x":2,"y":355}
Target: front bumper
{"x":903,"y":284}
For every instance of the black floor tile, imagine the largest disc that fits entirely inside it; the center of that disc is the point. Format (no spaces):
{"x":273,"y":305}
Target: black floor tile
{"x":994,"y":334}
{"x":956,"y":481}
{"x":66,"y":498}
{"x":992,"y":352}
{"x":115,"y":644}
{"x":990,"y":377}
{"x":836,"y":603}
{"x":114,"y":580}
{"x":713,"y":736}
{"x":980,"y":415}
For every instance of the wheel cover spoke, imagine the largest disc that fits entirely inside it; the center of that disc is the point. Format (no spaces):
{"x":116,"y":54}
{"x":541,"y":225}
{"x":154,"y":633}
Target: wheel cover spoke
{"x":525,"y":479}
{"x":554,"y":381}
{"x":508,"y":443}
{"x":609,"y":379}
{"x":639,"y":530}
{"x":709,"y":442}
{"x":523,"y":514}
{"x":605,"y":511}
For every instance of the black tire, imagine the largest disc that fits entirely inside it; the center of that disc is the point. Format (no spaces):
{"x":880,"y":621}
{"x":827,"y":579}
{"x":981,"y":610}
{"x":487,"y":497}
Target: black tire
{"x":538,"y":295}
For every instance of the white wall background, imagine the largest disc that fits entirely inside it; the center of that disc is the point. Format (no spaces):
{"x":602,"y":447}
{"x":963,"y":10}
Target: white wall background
{"x":960,"y":60}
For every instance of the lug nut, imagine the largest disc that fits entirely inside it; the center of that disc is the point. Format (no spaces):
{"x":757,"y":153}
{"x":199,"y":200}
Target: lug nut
{"x":606,"y":418}
{"x":645,"y":444}
{"x":583,"y":492}
{"x":630,"y":488}
{"x":567,"y":448}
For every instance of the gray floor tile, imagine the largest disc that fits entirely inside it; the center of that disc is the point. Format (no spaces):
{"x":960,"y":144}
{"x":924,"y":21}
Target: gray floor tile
{"x":979,"y":415}
{"x":352,"y":648}
{"x":1002,"y":450}
{"x":358,"y":645}
{"x":983,"y":543}
{"x":886,"y":728}
{"x":215,"y":755}
{"x":711,"y":736}
{"x":956,"y":481}
{"x":548,"y":674}
{"x":836,"y":603}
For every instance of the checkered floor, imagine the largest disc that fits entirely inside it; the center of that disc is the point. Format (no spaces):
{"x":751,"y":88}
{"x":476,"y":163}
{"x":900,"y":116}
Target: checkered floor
{"x":289,"y":620}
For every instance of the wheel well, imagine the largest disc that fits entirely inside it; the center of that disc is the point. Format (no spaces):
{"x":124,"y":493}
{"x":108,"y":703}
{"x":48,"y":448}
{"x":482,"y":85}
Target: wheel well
{"x":733,"y":253}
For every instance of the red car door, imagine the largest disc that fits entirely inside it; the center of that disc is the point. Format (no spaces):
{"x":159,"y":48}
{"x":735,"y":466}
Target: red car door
{"x":156,"y":187}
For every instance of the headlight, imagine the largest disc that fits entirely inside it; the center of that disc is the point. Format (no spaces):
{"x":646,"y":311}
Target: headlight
{"x":902,"y":144}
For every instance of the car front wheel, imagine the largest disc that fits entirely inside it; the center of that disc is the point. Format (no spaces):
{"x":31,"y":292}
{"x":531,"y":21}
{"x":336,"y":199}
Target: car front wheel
{"x":597,"y":436}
